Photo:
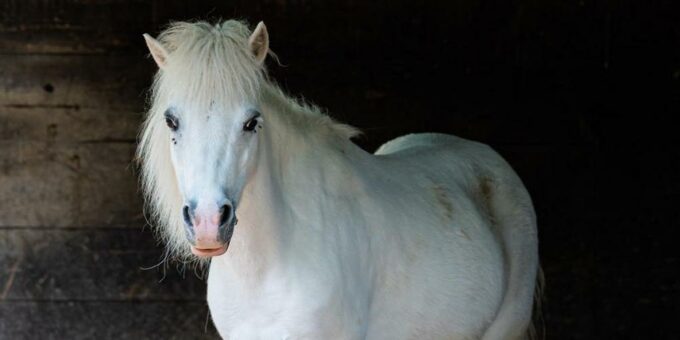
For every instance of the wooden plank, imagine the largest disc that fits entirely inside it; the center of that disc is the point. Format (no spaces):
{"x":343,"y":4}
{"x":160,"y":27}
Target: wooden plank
{"x":58,"y":125}
{"x":105,"y":320}
{"x":38,"y":40}
{"x":93,"y":14}
{"x":74,"y":82}
{"x":72,"y":27}
{"x":68,"y":185}
{"x":90,"y":265}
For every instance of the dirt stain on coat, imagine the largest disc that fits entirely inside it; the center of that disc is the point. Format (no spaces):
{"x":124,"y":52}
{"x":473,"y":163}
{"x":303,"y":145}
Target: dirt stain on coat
{"x":484,"y":195}
{"x":443,"y":200}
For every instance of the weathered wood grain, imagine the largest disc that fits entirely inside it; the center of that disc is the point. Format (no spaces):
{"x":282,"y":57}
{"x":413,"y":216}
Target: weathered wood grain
{"x":75,"y":27}
{"x":105,"y":320}
{"x":90,"y":264}
{"x":68,"y":184}
{"x":74,"y":82}
{"x":93,"y":14}
{"x":63,"y":125}
{"x":81,"y":42}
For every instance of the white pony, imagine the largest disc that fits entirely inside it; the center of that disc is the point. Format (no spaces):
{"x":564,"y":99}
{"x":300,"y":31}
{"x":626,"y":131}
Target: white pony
{"x":431,"y":237}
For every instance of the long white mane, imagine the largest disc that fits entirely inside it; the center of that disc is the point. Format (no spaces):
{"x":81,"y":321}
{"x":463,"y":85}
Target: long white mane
{"x":208,"y":64}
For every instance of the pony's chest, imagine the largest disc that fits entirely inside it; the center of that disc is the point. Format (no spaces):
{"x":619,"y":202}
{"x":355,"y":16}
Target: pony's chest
{"x":274,"y":310}
{"x":242,"y":313}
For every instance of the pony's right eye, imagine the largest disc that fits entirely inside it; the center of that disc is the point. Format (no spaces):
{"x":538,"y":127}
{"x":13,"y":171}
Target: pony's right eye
{"x":250,"y":125}
{"x":172,"y":123}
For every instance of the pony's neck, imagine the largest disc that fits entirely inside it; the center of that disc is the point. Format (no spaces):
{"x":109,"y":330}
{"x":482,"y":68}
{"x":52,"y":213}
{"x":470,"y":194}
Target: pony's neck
{"x":302,"y":163}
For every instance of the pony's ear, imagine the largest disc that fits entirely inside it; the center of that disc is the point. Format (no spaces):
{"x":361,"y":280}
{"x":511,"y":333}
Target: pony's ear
{"x":158,"y":52}
{"x":259,"y":42}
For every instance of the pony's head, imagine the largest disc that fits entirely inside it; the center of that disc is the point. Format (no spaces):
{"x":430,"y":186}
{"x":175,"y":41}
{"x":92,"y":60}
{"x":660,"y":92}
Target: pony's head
{"x":199,"y":143}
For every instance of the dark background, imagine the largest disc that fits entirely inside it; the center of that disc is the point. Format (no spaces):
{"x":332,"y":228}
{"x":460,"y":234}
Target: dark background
{"x":580,"y":97}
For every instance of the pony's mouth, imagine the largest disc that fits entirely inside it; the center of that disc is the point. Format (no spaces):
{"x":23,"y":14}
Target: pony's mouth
{"x":209,"y":252}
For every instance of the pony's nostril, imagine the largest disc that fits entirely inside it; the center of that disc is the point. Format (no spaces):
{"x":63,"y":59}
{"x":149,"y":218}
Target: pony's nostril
{"x":187,"y":215}
{"x":225,"y":214}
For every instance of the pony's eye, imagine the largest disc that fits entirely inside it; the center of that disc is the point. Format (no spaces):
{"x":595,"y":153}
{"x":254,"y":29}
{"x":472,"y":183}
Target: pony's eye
{"x":172,"y":123}
{"x":250,"y":125}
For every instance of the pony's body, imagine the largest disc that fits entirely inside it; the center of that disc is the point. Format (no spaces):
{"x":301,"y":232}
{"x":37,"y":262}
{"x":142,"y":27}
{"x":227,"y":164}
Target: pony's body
{"x":432,"y":237}
{"x":396,"y":245}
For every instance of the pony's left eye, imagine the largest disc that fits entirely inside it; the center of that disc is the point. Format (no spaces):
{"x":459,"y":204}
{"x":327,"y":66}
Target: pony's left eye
{"x":171,"y":122}
{"x":250,"y":125}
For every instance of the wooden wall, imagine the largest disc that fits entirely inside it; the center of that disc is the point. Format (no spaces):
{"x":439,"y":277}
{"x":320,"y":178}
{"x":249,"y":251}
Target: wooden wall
{"x":577,"y":95}
{"x":73,"y":76}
